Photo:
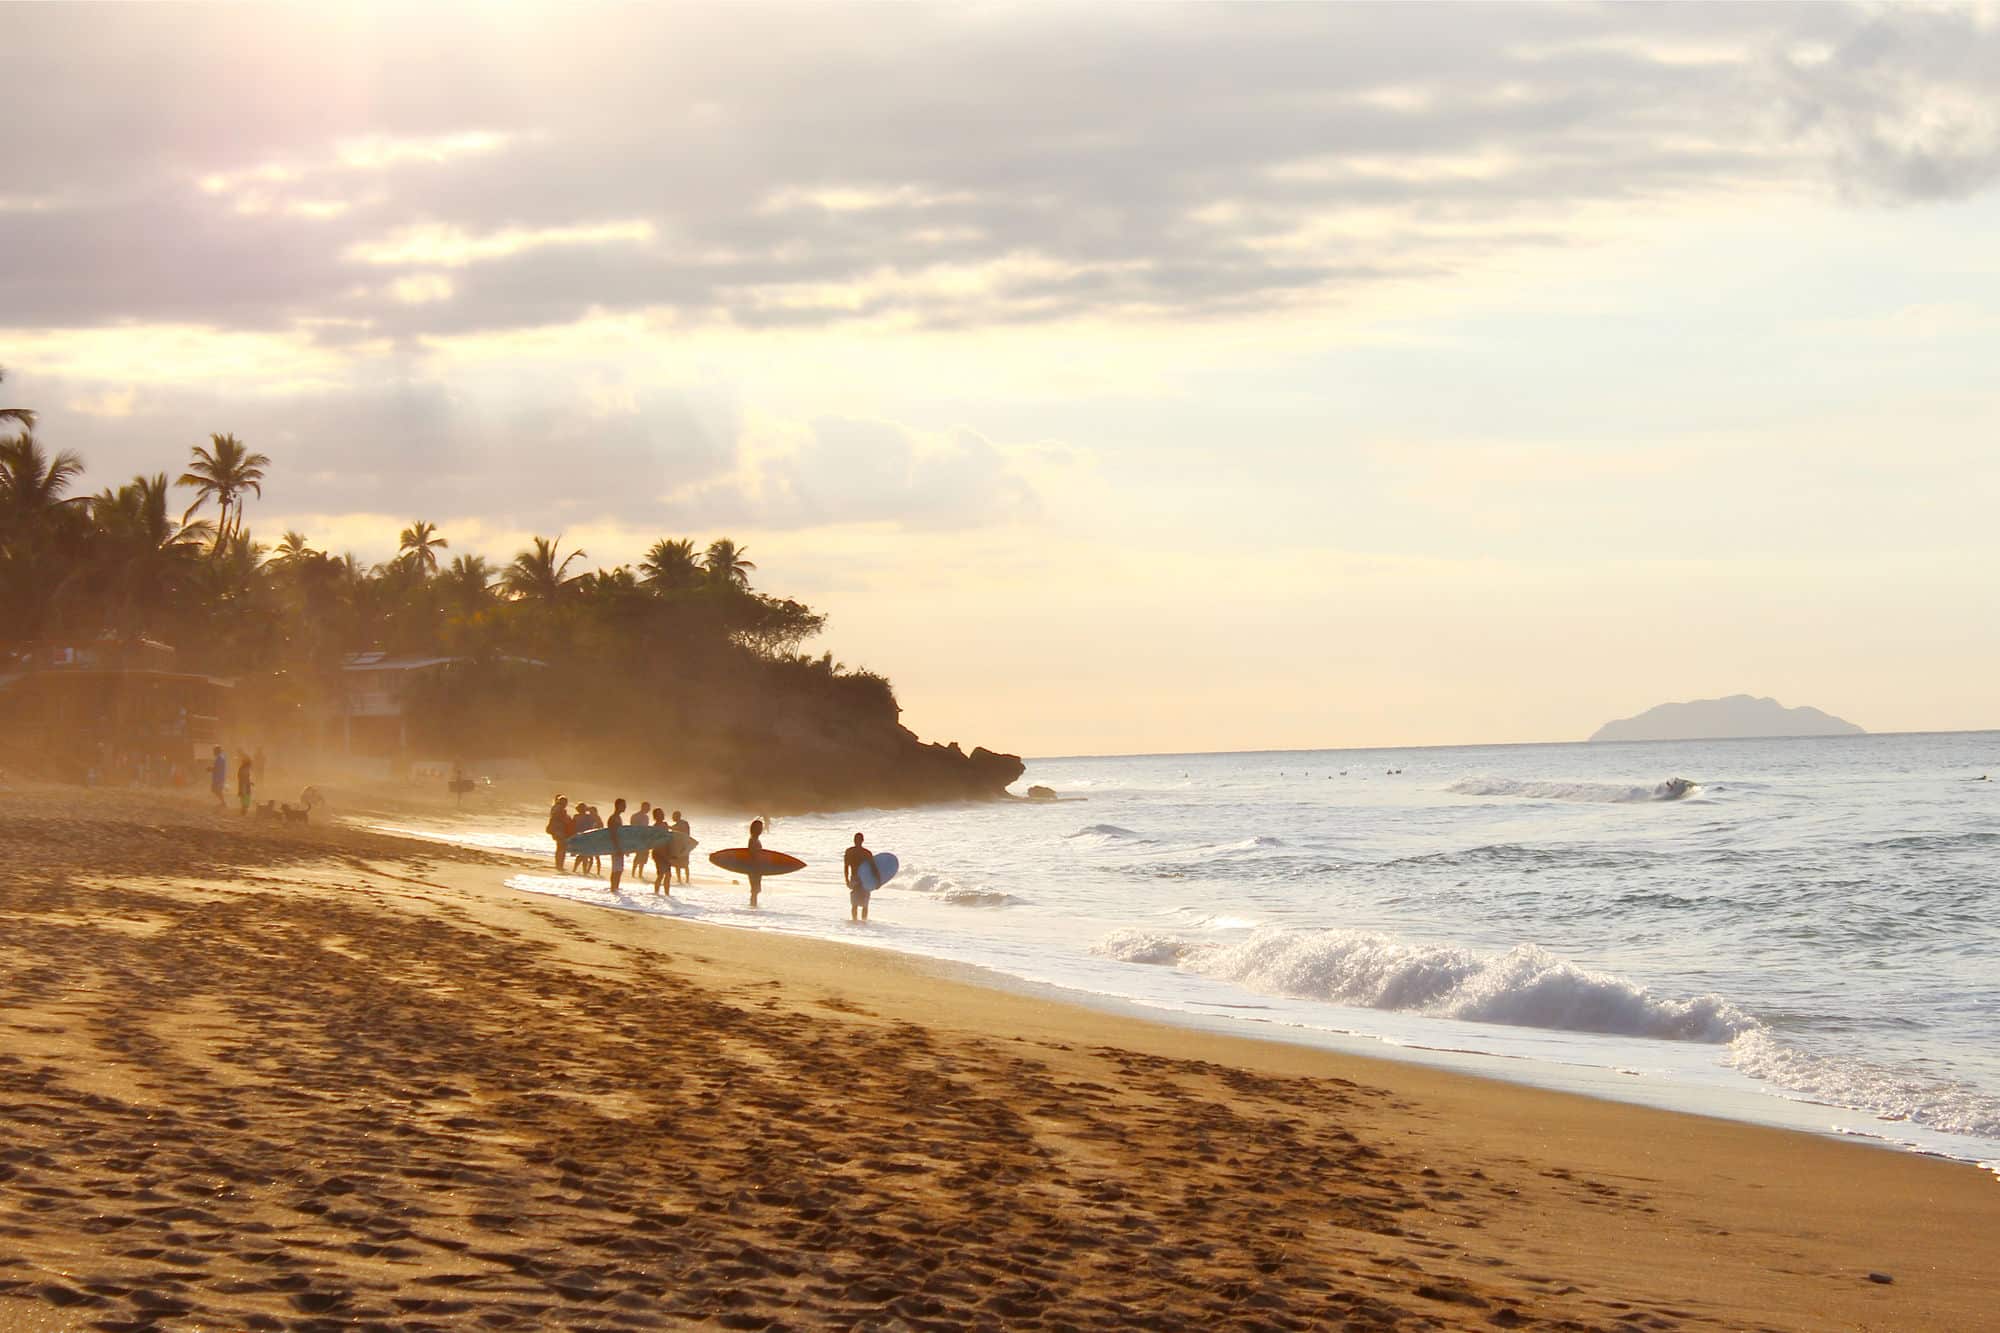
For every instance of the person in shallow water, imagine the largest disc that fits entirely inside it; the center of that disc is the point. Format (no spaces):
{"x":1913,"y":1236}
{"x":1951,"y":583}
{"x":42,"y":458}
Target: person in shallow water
{"x":756,"y":846}
{"x":857,"y":895}
{"x":617,"y":826}
{"x":683,"y":844}
{"x":663,"y":864}
{"x":559,"y":828}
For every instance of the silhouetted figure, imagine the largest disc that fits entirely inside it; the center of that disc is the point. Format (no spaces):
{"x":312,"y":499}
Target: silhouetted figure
{"x":617,"y":827}
{"x":561,"y":823}
{"x":244,"y":783}
{"x":682,"y":845}
{"x":218,"y":777}
{"x":756,"y":846}
{"x":857,"y":893}
{"x":663,"y":854}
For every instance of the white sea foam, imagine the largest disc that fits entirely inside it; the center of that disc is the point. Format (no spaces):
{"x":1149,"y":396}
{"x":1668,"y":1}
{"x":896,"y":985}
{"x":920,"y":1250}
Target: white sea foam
{"x":1524,"y":987}
{"x":949,"y":891}
{"x":1610,"y":793}
{"x":1845,"y":1081}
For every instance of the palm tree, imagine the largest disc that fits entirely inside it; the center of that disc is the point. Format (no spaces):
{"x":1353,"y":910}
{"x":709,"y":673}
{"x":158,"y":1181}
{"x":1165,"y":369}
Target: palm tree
{"x":469,"y":583}
{"x":223,"y":474}
{"x":20,"y":415}
{"x":140,"y":555}
{"x":419,"y":544}
{"x":292,"y":553}
{"x":725,"y":564}
{"x":32,"y":483}
{"x":538,"y":575}
{"x":670,"y":566}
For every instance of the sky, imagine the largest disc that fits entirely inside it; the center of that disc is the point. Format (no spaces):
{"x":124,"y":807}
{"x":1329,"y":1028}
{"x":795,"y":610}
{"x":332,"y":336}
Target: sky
{"x":1119,"y":378}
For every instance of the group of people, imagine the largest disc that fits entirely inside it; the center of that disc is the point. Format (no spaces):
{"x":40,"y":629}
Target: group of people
{"x":247,"y":767}
{"x":669,"y":855}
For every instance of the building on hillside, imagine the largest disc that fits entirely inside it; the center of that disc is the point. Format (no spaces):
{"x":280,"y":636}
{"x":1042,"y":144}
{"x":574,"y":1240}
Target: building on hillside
{"x":110,"y":709}
{"x":376,"y":697}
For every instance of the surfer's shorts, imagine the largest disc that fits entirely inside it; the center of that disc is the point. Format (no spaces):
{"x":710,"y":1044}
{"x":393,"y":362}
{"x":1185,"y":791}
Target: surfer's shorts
{"x":857,"y":897}
{"x":617,"y":863}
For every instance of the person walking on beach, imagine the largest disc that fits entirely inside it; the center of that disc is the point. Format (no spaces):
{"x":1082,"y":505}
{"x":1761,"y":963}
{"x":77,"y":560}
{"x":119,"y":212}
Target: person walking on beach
{"x":683,"y":844}
{"x":560,"y":825}
{"x":857,"y":893}
{"x":617,"y":827}
{"x":244,"y":785}
{"x":756,"y":846}
{"x":218,"y":777}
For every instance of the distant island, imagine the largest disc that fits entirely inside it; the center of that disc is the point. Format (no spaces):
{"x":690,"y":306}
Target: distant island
{"x":1737,"y":717}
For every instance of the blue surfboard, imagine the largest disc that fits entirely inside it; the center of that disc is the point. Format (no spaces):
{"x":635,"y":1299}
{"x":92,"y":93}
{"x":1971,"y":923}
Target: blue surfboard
{"x":874,"y":876}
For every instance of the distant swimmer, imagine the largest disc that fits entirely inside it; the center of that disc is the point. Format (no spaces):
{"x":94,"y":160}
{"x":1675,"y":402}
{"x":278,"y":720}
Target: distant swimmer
{"x":857,"y":895}
{"x":561,"y":825}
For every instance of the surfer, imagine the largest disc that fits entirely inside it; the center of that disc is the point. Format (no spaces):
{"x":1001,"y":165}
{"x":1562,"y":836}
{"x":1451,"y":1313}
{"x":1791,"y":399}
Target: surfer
{"x":218,"y":776}
{"x":683,"y":843}
{"x":857,"y":896}
{"x":756,"y":846}
{"x":616,"y":825}
{"x":663,"y":865}
{"x":560,"y":827}
{"x":586,"y":820}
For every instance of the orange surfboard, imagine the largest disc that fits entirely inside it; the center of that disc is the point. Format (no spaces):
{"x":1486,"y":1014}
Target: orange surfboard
{"x":743,"y":861}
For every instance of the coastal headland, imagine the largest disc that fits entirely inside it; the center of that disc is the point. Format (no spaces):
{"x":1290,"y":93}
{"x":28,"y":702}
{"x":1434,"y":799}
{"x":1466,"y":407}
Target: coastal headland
{"x":265,"y":1076}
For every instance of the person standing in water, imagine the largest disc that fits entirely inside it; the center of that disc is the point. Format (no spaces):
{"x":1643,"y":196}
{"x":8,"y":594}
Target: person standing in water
{"x":683,"y":844}
{"x":857,"y":893}
{"x":756,"y":846}
{"x":244,"y":785}
{"x":218,"y":777}
{"x":559,"y":828}
{"x":663,"y":865}
{"x":617,"y":826}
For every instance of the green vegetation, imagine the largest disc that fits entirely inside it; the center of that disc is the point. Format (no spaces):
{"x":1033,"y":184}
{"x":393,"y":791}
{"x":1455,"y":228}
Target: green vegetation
{"x":678,"y":671}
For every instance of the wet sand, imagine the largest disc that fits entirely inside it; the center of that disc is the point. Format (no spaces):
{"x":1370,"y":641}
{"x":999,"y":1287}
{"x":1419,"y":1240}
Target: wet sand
{"x":256,"y":1076}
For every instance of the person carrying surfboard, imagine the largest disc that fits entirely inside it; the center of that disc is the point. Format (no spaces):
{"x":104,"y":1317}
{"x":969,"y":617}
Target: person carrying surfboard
{"x":617,"y":823}
{"x":756,"y":845}
{"x":683,"y":844}
{"x":663,"y":880}
{"x":857,"y":895}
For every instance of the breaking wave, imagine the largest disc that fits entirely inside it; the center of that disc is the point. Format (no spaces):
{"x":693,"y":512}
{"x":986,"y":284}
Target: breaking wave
{"x":1608,"y":793}
{"x":955,"y":894}
{"x":1525,"y":987}
{"x":1893,"y":1095}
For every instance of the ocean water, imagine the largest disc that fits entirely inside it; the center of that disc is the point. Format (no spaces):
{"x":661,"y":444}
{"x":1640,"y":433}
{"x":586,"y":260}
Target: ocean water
{"x":1796,"y":932}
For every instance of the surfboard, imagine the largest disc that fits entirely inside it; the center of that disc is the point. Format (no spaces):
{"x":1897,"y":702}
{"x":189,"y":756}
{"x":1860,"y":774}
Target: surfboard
{"x":741,"y":861}
{"x":597,"y":841}
{"x":883,"y":870}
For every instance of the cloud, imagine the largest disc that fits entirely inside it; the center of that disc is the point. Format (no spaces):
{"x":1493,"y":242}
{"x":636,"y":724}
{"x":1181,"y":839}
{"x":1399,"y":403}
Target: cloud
{"x":983,"y":167}
{"x":1906,"y":106}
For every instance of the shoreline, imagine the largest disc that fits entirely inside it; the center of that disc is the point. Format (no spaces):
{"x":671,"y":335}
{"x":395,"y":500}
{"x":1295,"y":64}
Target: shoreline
{"x":286,"y":1079}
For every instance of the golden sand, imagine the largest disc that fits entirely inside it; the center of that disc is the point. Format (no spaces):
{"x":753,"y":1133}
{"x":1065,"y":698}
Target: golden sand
{"x":259,"y":1076}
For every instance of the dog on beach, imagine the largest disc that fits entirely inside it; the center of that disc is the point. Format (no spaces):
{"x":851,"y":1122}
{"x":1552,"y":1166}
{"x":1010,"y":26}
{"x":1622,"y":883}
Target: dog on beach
{"x":297,"y":814}
{"x":268,"y":810}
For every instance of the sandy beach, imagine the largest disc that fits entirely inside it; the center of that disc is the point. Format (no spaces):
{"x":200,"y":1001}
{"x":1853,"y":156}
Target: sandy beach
{"x":261,"y":1076}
